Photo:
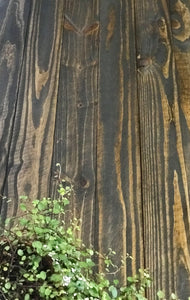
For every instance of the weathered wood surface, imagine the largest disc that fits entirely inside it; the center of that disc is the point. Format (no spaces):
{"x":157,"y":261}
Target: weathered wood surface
{"x":75,"y":131}
{"x":30,"y":150}
{"x":164,"y":165}
{"x":180,"y":25}
{"x":118,"y":147}
{"x":103,"y":88}
{"x":13,"y":27}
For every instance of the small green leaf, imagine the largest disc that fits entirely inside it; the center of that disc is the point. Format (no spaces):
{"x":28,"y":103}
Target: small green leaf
{"x":37,"y":244}
{"x":35,"y":202}
{"x":23,"y":207}
{"x":19,"y":233}
{"x":24,"y":198}
{"x":160,"y":294}
{"x":31,"y":278}
{"x":105,"y":296}
{"x":23,"y":221}
{"x":42,"y":205}
{"x":7,"y":221}
{"x":71,"y":290}
{"x":47,"y":291}
{"x":56,"y":208}
{"x":41,"y":275}
{"x":8,"y":285}
{"x":39,"y":230}
{"x":131,"y":279}
{"x":20,"y":252}
{"x":173,"y":296}
{"x":113,"y":290}
{"x":27,"y":297}
{"x":116,"y":281}
{"x":90,"y":251}
{"x":65,"y":201}
{"x":56,"y":277}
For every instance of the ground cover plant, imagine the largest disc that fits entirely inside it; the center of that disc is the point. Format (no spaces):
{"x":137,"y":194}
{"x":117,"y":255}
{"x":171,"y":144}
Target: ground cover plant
{"x":41,"y":258}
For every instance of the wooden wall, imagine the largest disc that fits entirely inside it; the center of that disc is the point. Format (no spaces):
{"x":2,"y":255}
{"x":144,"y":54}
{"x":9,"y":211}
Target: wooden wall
{"x":103,"y":88}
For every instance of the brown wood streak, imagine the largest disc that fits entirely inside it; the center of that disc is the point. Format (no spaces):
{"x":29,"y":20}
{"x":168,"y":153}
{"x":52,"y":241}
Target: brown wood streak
{"x":32,"y":141}
{"x":13,"y":18}
{"x":161,"y":127}
{"x":75,"y":134}
{"x":181,"y":244}
{"x":110,"y":27}
{"x":118,"y":143}
{"x":164,"y":36}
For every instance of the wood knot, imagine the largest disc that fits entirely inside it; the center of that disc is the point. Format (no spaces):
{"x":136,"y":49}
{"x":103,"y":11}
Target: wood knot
{"x":80,"y":105}
{"x":79,"y":67}
{"x":143,"y":62}
{"x":175,"y":24}
{"x":84,"y":183}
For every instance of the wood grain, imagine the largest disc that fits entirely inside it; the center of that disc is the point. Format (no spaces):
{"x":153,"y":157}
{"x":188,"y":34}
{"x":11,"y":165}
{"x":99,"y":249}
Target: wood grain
{"x":33,"y":130}
{"x":75,"y":133}
{"x":118,"y":147}
{"x":103,"y":88}
{"x":180,"y":25}
{"x":13,"y":27}
{"x":165,"y":200}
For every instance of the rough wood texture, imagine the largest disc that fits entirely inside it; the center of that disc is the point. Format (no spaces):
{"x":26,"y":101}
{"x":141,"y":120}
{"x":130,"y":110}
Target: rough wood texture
{"x":75,"y":133}
{"x":13,"y":26}
{"x":31,"y":146}
{"x":164,"y":176}
{"x":180,"y":25}
{"x":103,"y":88}
{"x":118,"y":148}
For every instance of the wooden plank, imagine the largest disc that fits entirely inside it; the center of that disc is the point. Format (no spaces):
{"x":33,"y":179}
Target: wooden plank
{"x":180,"y":24}
{"x":118,"y":152}
{"x":164,"y":175}
{"x":75,"y":134}
{"x":13,"y":26}
{"x":32,"y":138}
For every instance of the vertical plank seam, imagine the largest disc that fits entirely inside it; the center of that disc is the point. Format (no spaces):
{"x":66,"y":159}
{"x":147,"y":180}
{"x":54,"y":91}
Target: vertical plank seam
{"x":96,"y":206}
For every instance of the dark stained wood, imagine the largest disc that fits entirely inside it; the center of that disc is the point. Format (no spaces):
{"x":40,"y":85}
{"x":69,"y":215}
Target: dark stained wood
{"x":118,"y":147}
{"x":164,"y":175}
{"x":103,"y":89}
{"x":32,"y":137}
{"x":13,"y":26}
{"x":75,"y":133}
